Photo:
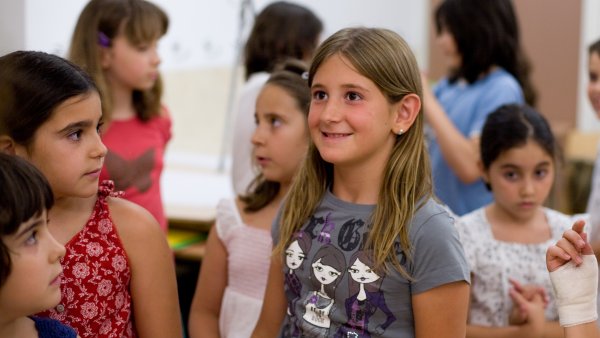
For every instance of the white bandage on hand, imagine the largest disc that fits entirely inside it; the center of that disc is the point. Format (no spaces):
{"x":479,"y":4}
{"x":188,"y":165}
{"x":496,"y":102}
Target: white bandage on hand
{"x":576,"y":288}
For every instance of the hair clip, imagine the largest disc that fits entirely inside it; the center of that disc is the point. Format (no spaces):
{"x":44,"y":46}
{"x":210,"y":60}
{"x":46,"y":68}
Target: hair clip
{"x":103,"y":40}
{"x":304,"y":75}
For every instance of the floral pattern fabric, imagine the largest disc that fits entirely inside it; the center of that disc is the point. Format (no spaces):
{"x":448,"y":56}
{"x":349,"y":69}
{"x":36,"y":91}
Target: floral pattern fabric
{"x":96,"y":300}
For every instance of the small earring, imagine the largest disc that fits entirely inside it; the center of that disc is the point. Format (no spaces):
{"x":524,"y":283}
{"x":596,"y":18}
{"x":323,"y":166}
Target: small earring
{"x":400,"y":132}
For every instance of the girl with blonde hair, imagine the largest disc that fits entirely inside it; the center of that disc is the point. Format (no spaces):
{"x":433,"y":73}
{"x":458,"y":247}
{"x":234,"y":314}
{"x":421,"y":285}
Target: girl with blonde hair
{"x":366,"y":186}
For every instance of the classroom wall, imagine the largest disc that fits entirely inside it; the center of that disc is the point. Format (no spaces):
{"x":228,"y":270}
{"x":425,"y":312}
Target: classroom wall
{"x":200,"y":49}
{"x":199,"y":54}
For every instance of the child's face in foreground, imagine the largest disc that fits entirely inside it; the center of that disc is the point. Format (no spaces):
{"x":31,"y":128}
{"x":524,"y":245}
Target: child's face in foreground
{"x":521,"y":179}
{"x":350,"y":119}
{"x":33,"y":284}
{"x":593,"y":88}
{"x":280,"y":139}
{"x":67,"y":148}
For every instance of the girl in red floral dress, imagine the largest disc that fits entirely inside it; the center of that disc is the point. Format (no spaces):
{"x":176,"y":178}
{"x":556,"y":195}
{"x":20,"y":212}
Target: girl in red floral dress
{"x":118,"y":275}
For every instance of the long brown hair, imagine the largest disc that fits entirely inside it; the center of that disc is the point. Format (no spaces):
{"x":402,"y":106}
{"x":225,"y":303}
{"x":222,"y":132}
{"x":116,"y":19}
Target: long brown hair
{"x":384,"y":57}
{"x":100,"y":22}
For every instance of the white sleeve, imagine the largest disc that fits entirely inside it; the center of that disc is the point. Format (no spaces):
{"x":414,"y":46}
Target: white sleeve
{"x":227,"y":217}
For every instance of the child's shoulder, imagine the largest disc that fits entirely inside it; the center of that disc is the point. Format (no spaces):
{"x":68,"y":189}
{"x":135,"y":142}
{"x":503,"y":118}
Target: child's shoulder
{"x":560,"y":222}
{"x":432,"y":214}
{"x":228,"y":216}
{"x":132,"y":221}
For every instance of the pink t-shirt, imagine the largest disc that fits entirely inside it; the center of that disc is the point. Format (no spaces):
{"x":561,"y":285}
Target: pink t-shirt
{"x":135,"y":161}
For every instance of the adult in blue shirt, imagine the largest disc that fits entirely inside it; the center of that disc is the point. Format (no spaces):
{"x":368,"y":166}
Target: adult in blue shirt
{"x":486,"y":69}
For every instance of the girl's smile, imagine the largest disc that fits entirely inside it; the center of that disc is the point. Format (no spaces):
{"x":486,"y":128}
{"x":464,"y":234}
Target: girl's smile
{"x":350,"y":119}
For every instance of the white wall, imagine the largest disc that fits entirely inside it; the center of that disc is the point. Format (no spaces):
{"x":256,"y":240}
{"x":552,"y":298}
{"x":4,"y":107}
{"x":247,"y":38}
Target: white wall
{"x":203,"y":32}
{"x":12,"y":26}
{"x":199,"y":51}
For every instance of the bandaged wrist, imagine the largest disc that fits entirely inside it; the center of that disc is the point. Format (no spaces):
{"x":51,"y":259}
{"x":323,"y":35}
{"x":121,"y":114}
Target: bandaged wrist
{"x":576,"y":289}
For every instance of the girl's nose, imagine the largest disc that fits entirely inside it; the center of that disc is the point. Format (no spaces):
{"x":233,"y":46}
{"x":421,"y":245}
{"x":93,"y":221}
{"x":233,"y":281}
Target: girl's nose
{"x":156,"y":60}
{"x":99,"y":150}
{"x":258,"y":137}
{"x":331,"y":112}
{"x":57,"y":250}
{"x":527,"y":188}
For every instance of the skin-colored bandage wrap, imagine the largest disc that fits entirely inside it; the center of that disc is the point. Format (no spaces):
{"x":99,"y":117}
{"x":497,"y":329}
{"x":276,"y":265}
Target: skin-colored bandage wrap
{"x":576,"y":289}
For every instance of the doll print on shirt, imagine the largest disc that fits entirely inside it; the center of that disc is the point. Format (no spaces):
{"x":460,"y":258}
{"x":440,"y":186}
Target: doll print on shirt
{"x":365,"y":298}
{"x":295,"y":254}
{"x":339,"y":258}
{"x":131,"y":173}
{"x":327,"y":268}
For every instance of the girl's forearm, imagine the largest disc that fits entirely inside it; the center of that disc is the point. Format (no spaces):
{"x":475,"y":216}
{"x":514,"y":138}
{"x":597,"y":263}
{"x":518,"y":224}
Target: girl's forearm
{"x":587,"y":330}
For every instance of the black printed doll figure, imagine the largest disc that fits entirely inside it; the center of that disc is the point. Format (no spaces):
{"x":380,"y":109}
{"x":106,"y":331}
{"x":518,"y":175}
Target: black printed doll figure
{"x":366,"y":298}
{"x":328,"y":267}
{"x":294,"y":258}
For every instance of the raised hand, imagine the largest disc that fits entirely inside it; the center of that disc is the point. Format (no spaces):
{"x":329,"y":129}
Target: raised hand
{"x":571,"y":246}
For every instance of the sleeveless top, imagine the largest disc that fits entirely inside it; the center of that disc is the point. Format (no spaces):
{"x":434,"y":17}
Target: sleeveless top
{"x":50,"y":328}
{"x":248,"y":260}
{"x":95,"y":295}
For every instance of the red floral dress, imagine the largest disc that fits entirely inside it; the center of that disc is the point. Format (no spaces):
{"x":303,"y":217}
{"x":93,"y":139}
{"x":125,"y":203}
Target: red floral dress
{"x":96,"y":299}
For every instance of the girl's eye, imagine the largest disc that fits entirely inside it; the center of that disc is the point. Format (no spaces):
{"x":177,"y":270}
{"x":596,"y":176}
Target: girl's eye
{"x":319,"y":95}
{"x":32,"y":239}
{"x":75,"y":136}
{"x":319,"y":268}
{"x":541,"y":173}
{"x":301,"y":256}
{"x":511,"y":175}
{"x":275,"y":121}
{"x":99,"y":127}
{"x":352,"y":96}
{"x":333,"y":274}
{"x":351,"y":270}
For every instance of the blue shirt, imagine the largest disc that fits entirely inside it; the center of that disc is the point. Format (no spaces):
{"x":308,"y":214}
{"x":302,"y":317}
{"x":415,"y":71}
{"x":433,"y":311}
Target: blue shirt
{"x":467,"y":106}
{"x":51,"y":328}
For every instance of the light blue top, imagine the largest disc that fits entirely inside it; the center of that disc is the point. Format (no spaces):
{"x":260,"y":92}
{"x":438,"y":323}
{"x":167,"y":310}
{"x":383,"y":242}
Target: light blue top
{"x":468,"y":105}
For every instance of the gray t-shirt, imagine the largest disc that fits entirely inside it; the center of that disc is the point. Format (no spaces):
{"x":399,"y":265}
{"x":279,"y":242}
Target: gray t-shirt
{"x":331,"y":289}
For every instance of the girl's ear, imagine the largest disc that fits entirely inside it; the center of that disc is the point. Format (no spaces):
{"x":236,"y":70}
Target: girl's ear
{"x":105,"y":57}
{"x":7,"y":145}
{"x":405,"y":113}
{"x":483,"y":172}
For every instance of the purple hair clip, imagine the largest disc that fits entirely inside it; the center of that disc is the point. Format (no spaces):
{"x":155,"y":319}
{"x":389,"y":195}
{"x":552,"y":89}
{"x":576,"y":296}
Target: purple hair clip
{"x":103,"y":40}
